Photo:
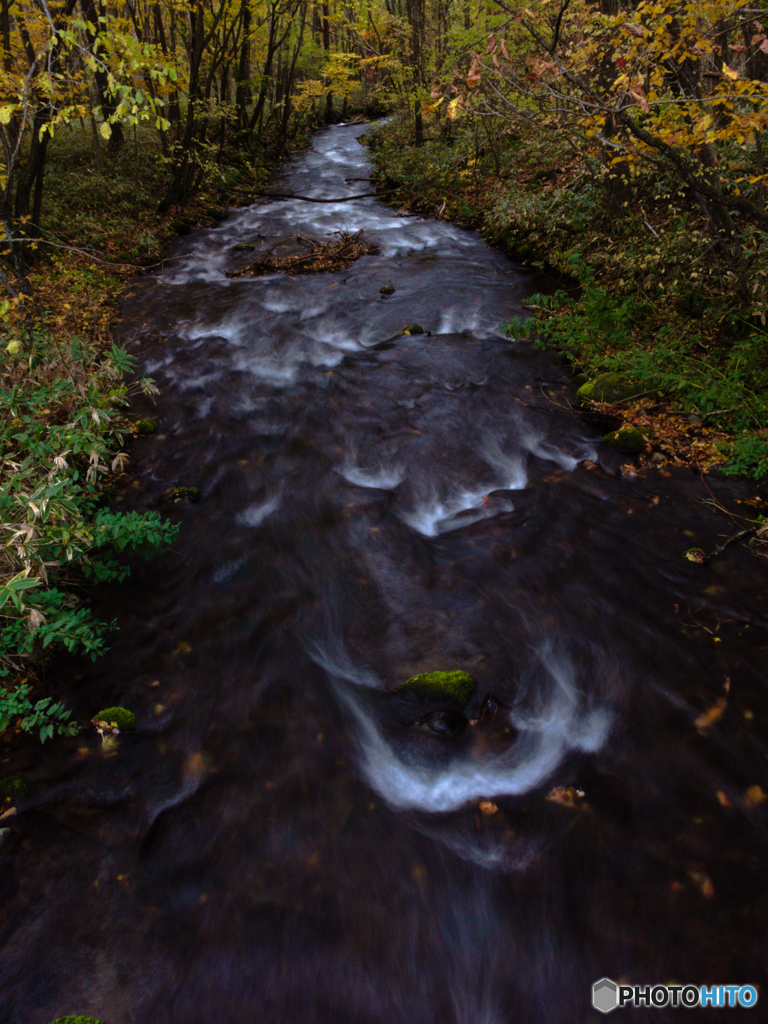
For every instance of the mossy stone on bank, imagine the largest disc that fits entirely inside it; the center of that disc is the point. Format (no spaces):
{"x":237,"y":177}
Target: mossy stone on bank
{"x":607,"y":387}
{"x":628,"y":439}
{"x":13,"y":788}
{"x":145,"y":426}
{"x":124,"y":719}
{"x":453,"y":687}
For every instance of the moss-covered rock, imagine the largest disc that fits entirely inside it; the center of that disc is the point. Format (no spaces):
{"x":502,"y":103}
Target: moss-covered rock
{"x":628,"y":439}
{"x":13,"y":788}
{"x":413,"y":329}
{"x":76,"y":1019}
{"x":124,"y":720}
{"x":243,"y":247}
{"x":453,"y":687}
{"x":608,"y":387}
{"x":145,"y":426}
{"x":175,"y":494}
{"x":388,"y":289}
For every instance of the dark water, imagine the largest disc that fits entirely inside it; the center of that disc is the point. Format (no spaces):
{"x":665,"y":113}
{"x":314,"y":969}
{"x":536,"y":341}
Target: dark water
{"x":283,"y":840}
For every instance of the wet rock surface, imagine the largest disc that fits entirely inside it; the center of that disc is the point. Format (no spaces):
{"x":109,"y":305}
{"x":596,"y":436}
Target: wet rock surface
{"x":286,"y":838}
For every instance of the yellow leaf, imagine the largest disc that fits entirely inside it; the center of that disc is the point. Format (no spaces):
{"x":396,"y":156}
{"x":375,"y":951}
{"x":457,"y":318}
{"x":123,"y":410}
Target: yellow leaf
{"x":104,"y":130}
{"x":5,"y":114}
{"x":730,"y":72}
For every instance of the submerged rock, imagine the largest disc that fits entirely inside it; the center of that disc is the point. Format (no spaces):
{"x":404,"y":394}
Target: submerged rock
{"x":145,"y":426}
{"x":444,"y":723}
{"x":388,"y":289}
{"x":628,"y":439}
{"x":608,"y":387}
{"x":122,"y":718}
{"x":453,"y":687}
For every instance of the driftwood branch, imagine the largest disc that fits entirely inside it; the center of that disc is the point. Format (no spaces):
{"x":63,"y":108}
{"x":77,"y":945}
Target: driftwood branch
{"x":309,"y":199}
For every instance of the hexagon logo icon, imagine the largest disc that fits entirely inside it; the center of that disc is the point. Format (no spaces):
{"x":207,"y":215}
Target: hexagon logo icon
{"x":605,"y":995}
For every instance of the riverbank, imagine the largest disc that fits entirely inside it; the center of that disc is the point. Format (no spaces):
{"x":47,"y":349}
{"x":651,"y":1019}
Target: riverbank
{"x":647,"y":300}
{"x":65,"y":443}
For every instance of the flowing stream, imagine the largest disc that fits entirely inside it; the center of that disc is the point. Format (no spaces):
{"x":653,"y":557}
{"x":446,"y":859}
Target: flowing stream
{"x":284,"y":840}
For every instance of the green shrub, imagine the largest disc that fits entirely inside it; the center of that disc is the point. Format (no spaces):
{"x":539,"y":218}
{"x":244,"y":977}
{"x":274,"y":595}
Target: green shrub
{"x":60,"y":436}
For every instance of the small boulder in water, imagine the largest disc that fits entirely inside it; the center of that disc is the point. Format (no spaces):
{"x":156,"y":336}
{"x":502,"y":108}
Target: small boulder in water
{"x":145,"y":426}
{"x":454,"y":688}
{"x":388,"y":289}
{"x":608,"y":387}
{"x":175,"y":494}
{"x":413,"y":329}
{"x":122,"y":718}
{"x":76,"y":1019}
{"x":628,"y":439}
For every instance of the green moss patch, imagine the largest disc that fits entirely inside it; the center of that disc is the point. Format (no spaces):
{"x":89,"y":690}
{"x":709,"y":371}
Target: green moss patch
{"x":124,"y":720}
{"x":453,"y":687}
{"x":145,"y":426}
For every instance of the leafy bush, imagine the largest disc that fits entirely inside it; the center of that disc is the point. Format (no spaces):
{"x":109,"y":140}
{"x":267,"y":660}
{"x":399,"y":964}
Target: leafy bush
{"x":60,"y":436}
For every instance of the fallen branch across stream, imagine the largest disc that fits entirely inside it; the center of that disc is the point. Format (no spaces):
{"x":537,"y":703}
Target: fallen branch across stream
{"x":310,"y":199}
{"x":314,"y":255}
